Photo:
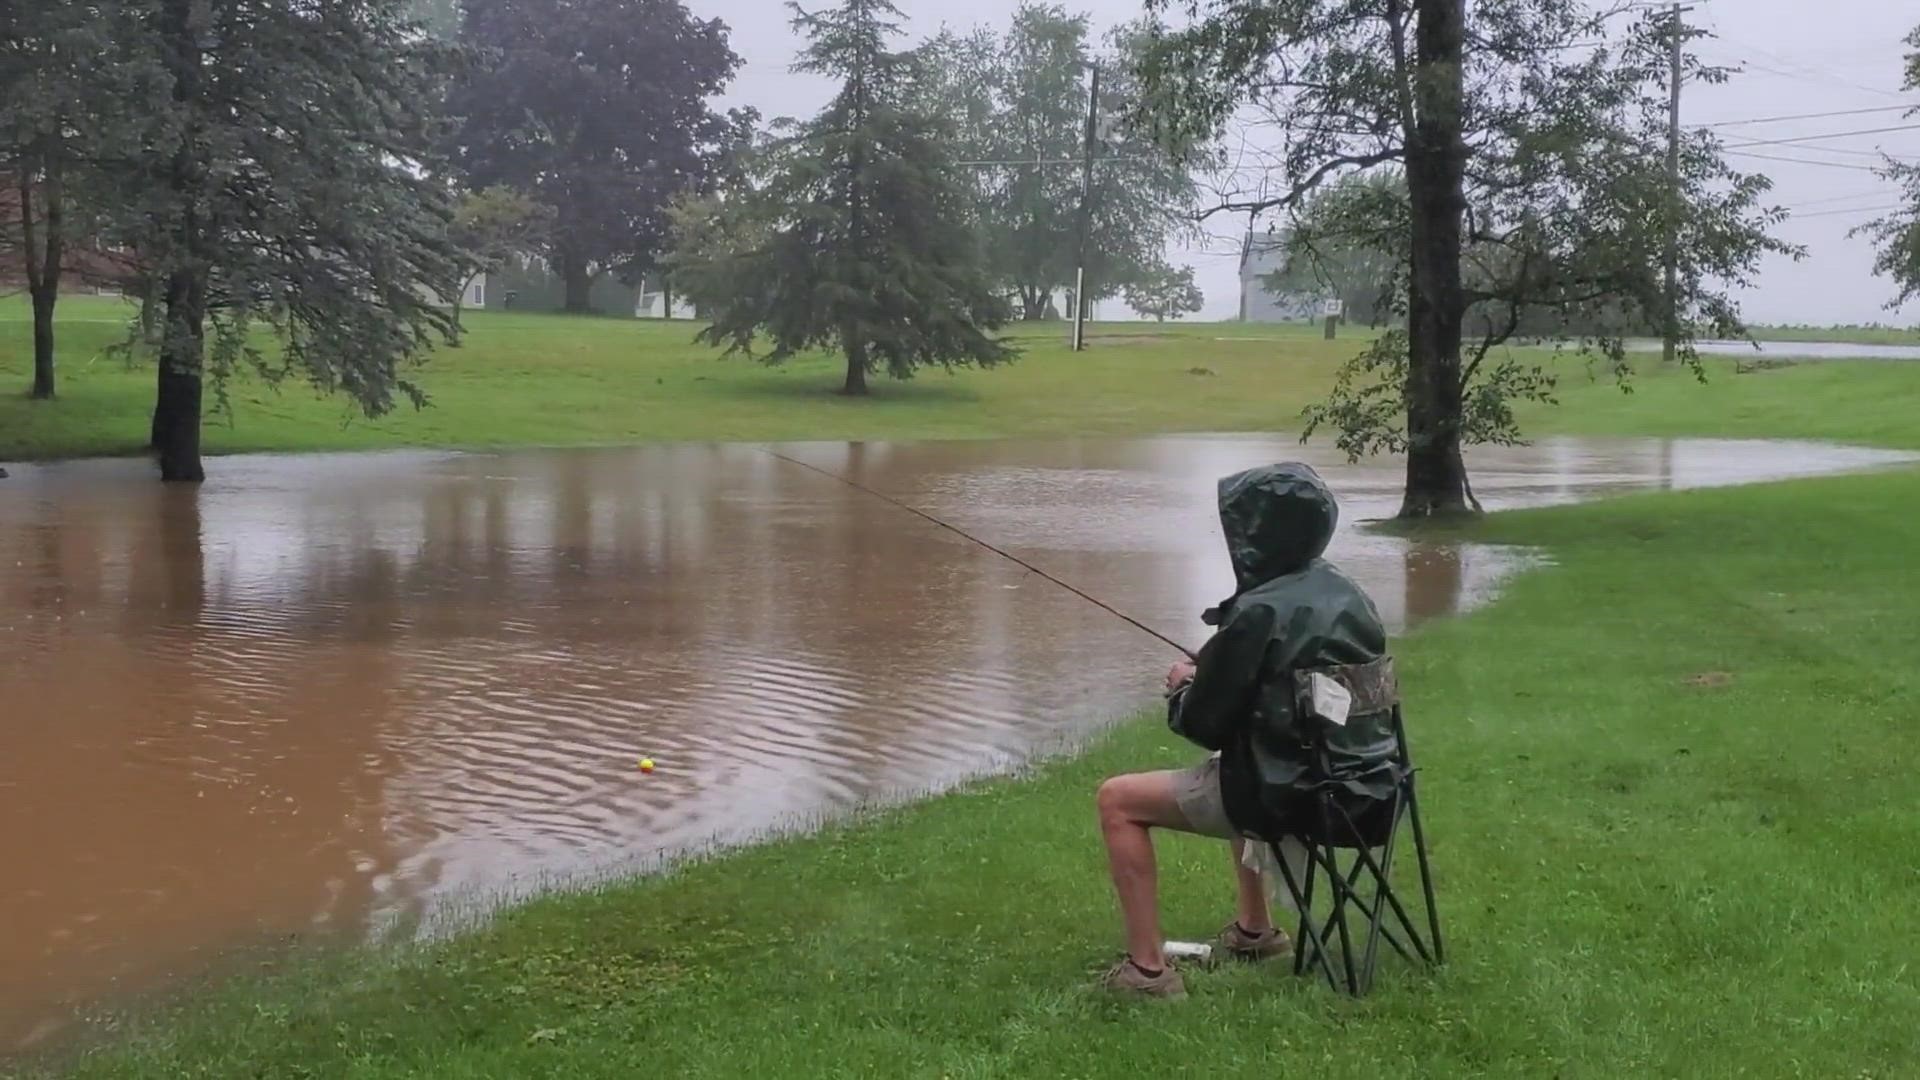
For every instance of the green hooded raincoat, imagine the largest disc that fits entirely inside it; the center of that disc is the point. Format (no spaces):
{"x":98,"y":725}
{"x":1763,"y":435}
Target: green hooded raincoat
{"x":1291,"y":610}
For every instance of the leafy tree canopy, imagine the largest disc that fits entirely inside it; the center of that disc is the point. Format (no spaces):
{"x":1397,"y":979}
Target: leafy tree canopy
{"x":1536,"y":181}
{"x":600,"y":109}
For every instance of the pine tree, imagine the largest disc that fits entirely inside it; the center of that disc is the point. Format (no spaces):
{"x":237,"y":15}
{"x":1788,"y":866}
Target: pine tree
{"x":853,"y":234}
{"x":72,"y":77}
{"x":291,"y":186}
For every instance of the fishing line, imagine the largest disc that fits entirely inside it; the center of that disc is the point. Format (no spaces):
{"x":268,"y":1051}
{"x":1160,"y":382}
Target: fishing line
{"x":917,"y":512}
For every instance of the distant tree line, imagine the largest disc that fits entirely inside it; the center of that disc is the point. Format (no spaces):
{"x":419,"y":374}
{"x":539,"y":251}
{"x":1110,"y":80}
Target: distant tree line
{"x":1500,"y":169}
{"x":205,"y":158}
{"x":1478,"y":176}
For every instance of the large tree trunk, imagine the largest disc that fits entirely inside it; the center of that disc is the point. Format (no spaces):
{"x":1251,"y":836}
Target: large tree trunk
{"x":579,"y":283}
{"x":1436,"y":165}
{"x":156,"y":430}
{"x":856,"y":385}
{"x":1033,"y":304}
{"x":149,"y":310}
{"x":466,"y":286}
{"x":176,"y":411}
{"x":43,"y":301}
{"x":45,"y":257}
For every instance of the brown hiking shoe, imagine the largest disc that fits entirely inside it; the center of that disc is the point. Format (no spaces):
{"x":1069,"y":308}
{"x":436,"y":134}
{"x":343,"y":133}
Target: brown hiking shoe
{"x":1240,"y":945}
{"x":1127,"y":979}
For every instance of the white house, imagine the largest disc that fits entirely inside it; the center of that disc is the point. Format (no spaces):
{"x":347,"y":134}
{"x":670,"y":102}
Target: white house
{"x":474,"y":297}
{"x":1263,"y":257}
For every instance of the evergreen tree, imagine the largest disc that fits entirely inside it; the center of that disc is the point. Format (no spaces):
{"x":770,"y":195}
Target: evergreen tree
{"x":73,"y":75}
{"x":290,"y":186}
{"x":854,"y":234}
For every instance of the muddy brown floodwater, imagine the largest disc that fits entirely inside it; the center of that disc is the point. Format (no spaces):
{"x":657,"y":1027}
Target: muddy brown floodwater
{"x":326,"y":695}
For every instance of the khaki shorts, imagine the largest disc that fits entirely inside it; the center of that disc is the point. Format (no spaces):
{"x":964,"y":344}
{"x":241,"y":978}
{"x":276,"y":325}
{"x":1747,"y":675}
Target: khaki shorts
{"x":1197,"y":791}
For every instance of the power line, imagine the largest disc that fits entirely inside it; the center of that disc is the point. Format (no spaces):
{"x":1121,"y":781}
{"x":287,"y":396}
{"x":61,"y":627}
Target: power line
{"x":1824,"y":136}
{"x":1855,"y":210}
{"x":1747,"y":66}
{"x":1024,"y":161}
{"x":1807,"y":72}
{"x":1045,"y":162}
{"x":1808,"y":116}
{"x":1805,"y":161}
{"x":1878,"y":194}
{"x":1875,"y":154}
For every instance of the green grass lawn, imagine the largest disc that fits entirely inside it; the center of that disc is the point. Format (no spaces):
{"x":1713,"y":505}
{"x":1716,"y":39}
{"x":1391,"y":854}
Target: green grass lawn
{"x":1669,"y":780}
{"x":1670,"y":789}
{"x":554,"y":380}
{"x":1866,"y":402}
{"x":1853,"y":335}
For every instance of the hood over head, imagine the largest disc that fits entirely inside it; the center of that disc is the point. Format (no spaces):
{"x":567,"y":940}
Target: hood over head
{"x":1277,"y":519}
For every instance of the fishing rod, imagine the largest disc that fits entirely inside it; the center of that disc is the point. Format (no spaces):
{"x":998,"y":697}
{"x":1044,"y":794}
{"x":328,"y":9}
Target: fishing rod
{"x":917,"y":512}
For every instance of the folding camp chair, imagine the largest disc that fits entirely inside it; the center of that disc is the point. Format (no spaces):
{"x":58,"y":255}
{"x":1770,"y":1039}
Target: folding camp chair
{"x":1361,"y":834}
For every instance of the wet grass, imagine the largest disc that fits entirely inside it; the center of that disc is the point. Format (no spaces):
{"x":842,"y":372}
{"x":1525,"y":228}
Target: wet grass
{"x":543,"y":380}
{"x":546,"y":380}
{"x":1866,"y":402}
{"x":1669,"y":783}
{"x":1852,"y":335}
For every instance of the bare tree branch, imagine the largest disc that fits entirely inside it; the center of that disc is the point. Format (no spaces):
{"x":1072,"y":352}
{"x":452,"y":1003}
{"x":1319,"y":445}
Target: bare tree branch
{"x":1306,"y":186}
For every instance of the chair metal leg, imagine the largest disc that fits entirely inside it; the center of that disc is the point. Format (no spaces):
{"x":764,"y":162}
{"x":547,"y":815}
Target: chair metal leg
{"x":1352,"y":880}
{"x":1382,"y":891}
{"x":1381,"y":872}
{"x":1346,"y":944}
{"x":1336,"y":882}
{"x":1306,"y":910}
{"x":1419,"y":835}
{"x":1393,"y":900}
{"x":1426,"y":871}
{"x":1312,"y":946}
{"x":1386,"y":931}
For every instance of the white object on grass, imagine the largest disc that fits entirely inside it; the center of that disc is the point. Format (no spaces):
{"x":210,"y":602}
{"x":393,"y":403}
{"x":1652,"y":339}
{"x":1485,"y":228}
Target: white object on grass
{"x":1188,"y":950}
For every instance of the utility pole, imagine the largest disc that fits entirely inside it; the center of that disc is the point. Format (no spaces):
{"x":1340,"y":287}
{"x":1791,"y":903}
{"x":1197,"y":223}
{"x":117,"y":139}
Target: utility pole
{"x":1246,"y":262}
{"x":1086,"y":214}
{"x":1671,"y":334}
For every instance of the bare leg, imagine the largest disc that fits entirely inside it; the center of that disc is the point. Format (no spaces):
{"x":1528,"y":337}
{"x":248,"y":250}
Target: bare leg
{"x":1251,"y":910}
{"x":1129,"y":807}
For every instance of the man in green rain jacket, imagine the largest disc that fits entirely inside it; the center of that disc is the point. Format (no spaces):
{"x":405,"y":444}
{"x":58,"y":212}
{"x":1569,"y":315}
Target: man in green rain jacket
{"x":1291,"y":610}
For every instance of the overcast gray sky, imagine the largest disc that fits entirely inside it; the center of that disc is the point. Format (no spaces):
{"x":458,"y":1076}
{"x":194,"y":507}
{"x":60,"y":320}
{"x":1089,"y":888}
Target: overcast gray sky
{"x":1800,"y":57}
